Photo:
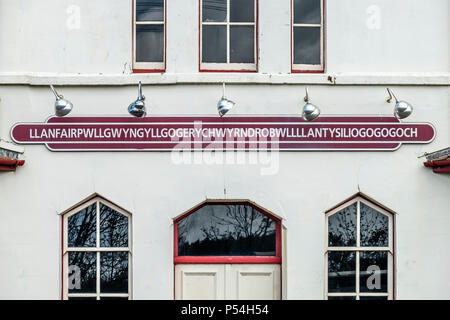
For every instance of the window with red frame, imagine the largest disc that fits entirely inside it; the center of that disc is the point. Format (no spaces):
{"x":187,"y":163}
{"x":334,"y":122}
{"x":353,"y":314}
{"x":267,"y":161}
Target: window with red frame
{"x":228,"y":35}
{"x":307,"y":35}
{"x":227,"y":230}
{"x":149,"y":35}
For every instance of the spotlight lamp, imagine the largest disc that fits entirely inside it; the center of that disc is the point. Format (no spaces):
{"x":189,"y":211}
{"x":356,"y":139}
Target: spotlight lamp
{"x":62,"y":106}
{"x":137,"y":108}
{"x":402,"y":109}
{"x":310,"y":111}
{"x":224,"y":105}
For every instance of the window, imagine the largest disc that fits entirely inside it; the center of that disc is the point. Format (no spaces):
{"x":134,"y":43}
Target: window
{"x":307,"y":36}
{"x":96,"y":252}
{"x":224,"y":230}
{"x":149,"y":34}
{"x":360,"y":254}
{"x":228,"y":33}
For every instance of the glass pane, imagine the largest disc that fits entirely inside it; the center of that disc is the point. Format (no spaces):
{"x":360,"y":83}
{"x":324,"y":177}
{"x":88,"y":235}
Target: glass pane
{"x":82,"y":227}
{"x":307,"y":11}
{"x":114,"y":272}
{"x":242,"y":49}
{"x":342,"y":228}
{"x":307,"y":45}
{"x":214,"y":10}
{"x":226,"y":230}
{"x":373,"y":298}
{"x":373,"y":271}
{"x":82,"y":298}
{"x":149,"y":10}
{"x":374,"y":228}
{"x":341,"y":271}
{"x":342,"y":298}
{"x":113,"y":298}
{"x":242,"y":10}
{"x":150,"y":43}
{"x":214,"y":44}
{"x":82,"y":272}
{"x":113,"y":228}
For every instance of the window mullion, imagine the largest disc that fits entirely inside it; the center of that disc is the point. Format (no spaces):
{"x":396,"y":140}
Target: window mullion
{"x":98,"y":252}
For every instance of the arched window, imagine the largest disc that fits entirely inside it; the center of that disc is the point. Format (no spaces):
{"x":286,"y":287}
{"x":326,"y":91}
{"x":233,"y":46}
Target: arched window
{"x":96,"y":251}
{"x":360,"y":250}
{"x":227,"y":232}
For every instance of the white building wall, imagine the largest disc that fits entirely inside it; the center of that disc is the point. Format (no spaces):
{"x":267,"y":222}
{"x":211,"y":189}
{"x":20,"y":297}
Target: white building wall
{"x":409,"y":49}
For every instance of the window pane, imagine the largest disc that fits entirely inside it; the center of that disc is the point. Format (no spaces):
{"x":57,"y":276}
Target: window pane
{"x":82,"y":227}
{"x":373,"y":271}
{"x":149,"y":10}
{"x":342,"y":227}
{"x":82,"y":298}
{"x":307,"y":11}
{"x":113,"y":298}
{"x":113,"y":228}
{"x":226,"y":230}
{"x":114,"y":272}
{"x":242,"y":10}
{"x":214,"y":10}
{"x":373,"y":298}
{"x":242,"y":44}
{"x":149,"y":43}
{"x":341,"y":271}
{"x":342,"y":298}
{"x":307,"y":45}
{"x":374,"y":228}
{"x":82,"y":272}
{"x":214,"y":44}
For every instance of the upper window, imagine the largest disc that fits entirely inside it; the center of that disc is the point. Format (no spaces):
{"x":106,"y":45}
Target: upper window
{"x":228,"y":33}
{"x":149,"y":35}
{"x":307,"y":35}
{"x":96,"y":252}
{"x":359,"y":258}
{"x":225,"y":230}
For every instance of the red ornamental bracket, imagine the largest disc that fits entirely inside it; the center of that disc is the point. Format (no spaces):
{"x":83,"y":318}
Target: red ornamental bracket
{"x":168,"y":133}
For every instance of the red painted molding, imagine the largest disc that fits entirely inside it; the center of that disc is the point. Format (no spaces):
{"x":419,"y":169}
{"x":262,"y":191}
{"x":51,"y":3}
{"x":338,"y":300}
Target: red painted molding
{"x":10,"y":164}
{"x":439,"y":166}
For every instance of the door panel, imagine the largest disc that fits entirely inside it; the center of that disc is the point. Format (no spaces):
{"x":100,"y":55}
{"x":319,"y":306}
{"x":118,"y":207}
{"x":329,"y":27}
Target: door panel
{"x":227,"y":281}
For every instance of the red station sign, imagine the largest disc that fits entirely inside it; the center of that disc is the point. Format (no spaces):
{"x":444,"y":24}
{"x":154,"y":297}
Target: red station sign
{"x":167,"y":133}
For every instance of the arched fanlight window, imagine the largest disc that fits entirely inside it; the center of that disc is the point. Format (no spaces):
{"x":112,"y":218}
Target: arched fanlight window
{"x":360,"y":250}
{"x":227,"y":232}
{"x":96,"y":251}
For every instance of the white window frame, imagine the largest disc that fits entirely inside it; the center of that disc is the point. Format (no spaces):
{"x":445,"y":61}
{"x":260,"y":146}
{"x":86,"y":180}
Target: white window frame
{"x":149,"y":66}
{"x":308,"y":67}
{"x":228,"y":66}
{"x":358,"y":249}
{"x":97,"y":249}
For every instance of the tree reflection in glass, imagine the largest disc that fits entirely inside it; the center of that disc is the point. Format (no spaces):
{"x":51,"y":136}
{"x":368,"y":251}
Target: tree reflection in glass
{"x":113,"y":228}
{"x":374,"y":227}
{"x":341,"y":271}
{"x":342,"y":228}
{"x":82,"y":272}
{"x":224,"y":230}
{"x":114,"y":272}
{"x":82,"y":227}
{"x":373,"y":271}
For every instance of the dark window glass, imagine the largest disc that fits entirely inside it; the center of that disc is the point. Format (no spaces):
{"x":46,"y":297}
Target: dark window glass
{"x":82,"y":298}
{"x":242,"y":10}
{"x":113,"y":228}
{"x":113,"y":298}
{"x":82,"y":272}
{"x":374,"y":228}
{"x":214,"y":44}
{"x":342,"y":228}
{"x":150,"y":43}
{"x":226,"y":230}
{"x":373,"y":298}
{"x":373,"y":271}
{"x":342,"y":298}
{"x":214,"y":10}
{"x":307,"y":11}
{"x":341,"y":271}
{"x":114,"y":272}
{"x":149,"y":10}
{"x":242,"y":49}
{"x":307,"y":45}
{"x":82,"y":227}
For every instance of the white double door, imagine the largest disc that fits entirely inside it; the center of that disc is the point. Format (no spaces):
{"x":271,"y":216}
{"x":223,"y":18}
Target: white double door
{"x":227,"y":282}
